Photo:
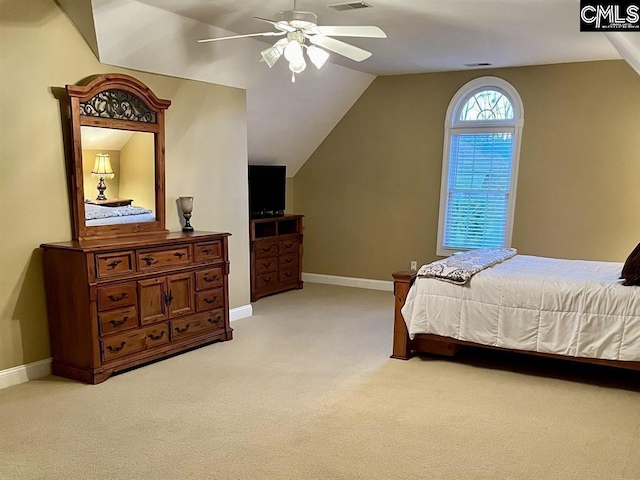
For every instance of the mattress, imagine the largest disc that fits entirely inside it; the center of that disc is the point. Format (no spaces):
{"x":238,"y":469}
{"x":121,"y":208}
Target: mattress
{"x":100,"y":215}
{"x":145,"y":217}
{"x":567,"y":307}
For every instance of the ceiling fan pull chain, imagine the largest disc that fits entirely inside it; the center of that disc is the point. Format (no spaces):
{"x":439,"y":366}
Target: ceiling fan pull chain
{"x":293,"y":77}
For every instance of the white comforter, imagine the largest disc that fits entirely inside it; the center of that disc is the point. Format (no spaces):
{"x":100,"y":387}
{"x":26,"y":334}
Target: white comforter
{"x":567,"y":307}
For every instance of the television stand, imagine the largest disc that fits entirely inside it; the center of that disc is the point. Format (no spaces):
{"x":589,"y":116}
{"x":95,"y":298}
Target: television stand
{"x":276,"y":254}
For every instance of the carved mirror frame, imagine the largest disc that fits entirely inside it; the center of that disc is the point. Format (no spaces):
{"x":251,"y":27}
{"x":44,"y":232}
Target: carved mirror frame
{"x":121,"y":102}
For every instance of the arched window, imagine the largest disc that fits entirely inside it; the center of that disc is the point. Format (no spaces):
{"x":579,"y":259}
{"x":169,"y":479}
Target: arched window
{"x":480,"y":166}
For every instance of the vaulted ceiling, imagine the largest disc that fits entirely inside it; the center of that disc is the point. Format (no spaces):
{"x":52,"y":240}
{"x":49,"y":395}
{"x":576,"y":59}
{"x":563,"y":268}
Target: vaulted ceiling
{"x":287,"y":122}
{"x":429,"y":35}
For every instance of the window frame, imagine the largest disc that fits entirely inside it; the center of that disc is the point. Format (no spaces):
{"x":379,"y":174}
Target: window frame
{"x":453,"y":126}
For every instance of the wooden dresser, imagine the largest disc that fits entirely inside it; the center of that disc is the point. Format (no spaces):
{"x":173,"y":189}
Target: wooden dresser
{"x":276,"y":255}
{"x":116,"y":304}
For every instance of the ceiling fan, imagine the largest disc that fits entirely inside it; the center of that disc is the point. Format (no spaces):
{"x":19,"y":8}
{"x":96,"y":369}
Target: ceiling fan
{"x":297,"y":27}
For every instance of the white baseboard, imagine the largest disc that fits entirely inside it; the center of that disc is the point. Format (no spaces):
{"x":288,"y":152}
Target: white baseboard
{"x":386,"y":285}
{"x":240,"y":312}
{"x":24,"y":373}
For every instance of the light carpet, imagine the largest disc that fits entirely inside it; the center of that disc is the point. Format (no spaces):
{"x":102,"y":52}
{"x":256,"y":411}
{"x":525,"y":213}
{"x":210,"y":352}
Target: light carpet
{"x":306,"y":390}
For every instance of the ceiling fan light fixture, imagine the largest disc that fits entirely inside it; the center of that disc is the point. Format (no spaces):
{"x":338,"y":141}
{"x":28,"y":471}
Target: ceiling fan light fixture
{"x":293,"y":52}
{"x":298,"y":67}
{"x":281,"y":44}
{"x":317,"y":56}
{"x":271,"y":55}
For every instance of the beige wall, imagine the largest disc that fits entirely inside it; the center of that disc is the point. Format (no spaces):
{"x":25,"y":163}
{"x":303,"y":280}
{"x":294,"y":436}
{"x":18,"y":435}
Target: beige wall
{"x":90,"y":182}
{"x":206,"y":156}
{"x":289,"y":196}
{"x":371,"y":191}
{"x":137,"y":167}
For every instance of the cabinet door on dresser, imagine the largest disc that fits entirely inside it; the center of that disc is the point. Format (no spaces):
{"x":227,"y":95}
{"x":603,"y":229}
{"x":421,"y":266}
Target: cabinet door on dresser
{"x":152,"y":295}
{"x":166,"y":297}
{"x":180,"y":294}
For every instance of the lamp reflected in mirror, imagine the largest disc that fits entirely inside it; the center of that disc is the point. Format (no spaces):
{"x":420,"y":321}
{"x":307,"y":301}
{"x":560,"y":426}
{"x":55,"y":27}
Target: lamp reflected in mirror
{"x":186,"y":205}
{"x":102,"y":169}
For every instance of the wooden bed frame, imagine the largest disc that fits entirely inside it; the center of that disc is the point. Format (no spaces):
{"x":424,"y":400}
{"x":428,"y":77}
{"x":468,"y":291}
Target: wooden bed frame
{"x":404,"y":348}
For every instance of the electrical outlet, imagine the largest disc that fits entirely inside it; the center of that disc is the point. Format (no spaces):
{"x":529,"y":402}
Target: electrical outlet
{"x":414,"y":265}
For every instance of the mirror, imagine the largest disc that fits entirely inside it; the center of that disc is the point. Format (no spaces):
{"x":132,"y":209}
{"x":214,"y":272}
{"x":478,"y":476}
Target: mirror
{"x":118,"y":168}
{"x":116,"y":158}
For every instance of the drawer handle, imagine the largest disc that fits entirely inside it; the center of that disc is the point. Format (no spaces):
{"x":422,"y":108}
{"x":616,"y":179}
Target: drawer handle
{"x":113,"y":349}
{"x":214,"y":320}
{"x":266,"y":264}
{"x":114,"y":264}
{"x":288,"y":274}
{"x":210,"y":279}
{"x":182,"y":330}
{"x":288,"y":260}
{"x":168,"y":298}
{"x":288,"y":245}
{"x":117,"y":298}
{"x":156,"y":337}
{"x":267,"y":280}
{"x":210,"y":301}
{"x":207,"y":251}
{"x":265,"y":249}
{"x":149,"y":260}
{"x":117,"y":323}
{"x":179,"y":254}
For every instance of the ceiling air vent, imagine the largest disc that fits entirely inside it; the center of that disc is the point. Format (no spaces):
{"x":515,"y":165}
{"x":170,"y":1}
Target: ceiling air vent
{"x":479,"y":64}
{"x":342,"y":7}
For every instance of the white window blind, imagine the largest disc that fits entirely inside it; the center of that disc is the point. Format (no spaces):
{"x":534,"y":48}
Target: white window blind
{"x":478,"y":190}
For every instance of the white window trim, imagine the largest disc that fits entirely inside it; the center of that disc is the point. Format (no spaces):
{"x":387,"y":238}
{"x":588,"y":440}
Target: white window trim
{"x":453,"y":125}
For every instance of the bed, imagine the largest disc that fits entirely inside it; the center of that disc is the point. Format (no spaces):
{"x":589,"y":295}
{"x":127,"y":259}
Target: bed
{"x":570,"y":309}
{"x":101,"y":215}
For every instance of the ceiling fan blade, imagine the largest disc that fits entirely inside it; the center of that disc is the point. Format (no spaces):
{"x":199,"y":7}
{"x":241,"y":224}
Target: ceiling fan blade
{"x":265,"y":34}
{"x":284,"y":26}
{"x":355,"y":31}
{"x":350,"y":51}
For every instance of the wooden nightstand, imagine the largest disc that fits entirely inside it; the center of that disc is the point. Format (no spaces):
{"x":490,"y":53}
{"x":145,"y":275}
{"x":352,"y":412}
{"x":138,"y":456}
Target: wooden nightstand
{"x":112,"y":202}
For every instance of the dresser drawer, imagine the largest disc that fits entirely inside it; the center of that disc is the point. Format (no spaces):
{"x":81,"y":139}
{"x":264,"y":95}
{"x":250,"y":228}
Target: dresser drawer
{"x":116,"y":263}
{"x":264,"y":250}
{"x":118,"y":320}
{"x":266,"y":265}
{"x":168,"y":257}
{"x":207,"y":252}
{"x":200,"y":323}
{"x":133,"y":342}
{"x":288,"y":246}
{"x":288,"y":276}
{"x":209,"y":278}
{"x":116,"y":296}
{"x":209,"y":299}
{"x":287,"y":261}
{"x":267,"y":280}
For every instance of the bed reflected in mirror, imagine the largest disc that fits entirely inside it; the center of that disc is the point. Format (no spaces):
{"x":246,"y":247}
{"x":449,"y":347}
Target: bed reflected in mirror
{"x":118,"y":176}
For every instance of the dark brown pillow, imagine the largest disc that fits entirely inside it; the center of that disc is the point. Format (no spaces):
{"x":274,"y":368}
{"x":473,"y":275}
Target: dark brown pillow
{"x":631,"y":269}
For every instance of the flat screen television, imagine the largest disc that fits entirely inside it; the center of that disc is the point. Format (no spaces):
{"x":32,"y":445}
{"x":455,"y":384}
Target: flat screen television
{"x":267,"y":187}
